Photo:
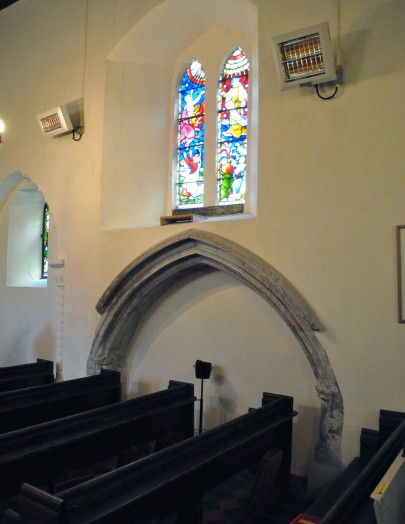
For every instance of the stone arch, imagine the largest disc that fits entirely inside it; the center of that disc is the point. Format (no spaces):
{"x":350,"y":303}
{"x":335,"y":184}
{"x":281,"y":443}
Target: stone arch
{"x":139,"y":285}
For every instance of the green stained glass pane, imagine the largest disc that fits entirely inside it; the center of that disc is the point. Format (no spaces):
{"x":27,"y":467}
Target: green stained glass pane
{"x":232,"y":129}
{"x":232,"y":172}
{"x":45,"y":234}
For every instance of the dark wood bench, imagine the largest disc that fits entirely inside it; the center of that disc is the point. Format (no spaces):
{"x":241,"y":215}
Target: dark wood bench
{"x":347,"y":499}
{"x":68,"y":450}
{"x":26,"y":375}
{"x":28,"y":406}
{"x":171,"y":480}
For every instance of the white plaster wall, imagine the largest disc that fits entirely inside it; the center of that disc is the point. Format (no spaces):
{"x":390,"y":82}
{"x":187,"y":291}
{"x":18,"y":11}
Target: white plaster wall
{"x":329,"y":176}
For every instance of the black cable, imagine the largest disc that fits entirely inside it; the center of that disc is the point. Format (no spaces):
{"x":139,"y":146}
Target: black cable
{"x":79,"y":131}
{"x":325,"y":97}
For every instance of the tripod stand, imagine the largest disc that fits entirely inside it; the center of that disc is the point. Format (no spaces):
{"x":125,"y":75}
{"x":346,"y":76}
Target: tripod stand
{"x":202,"y":371}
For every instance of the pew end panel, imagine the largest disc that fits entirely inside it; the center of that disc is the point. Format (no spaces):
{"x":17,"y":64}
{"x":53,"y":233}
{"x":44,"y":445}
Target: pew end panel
{"x":281,"y":438}
{"x":388,"y":422}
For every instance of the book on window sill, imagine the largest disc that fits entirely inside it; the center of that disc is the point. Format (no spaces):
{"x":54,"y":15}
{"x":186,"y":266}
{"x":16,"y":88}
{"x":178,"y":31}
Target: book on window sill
{"x":176,"y":219}
{"x":303,"y":518}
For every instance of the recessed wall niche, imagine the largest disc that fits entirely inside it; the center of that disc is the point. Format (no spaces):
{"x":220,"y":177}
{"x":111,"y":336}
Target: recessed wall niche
{"x":24,"y":208}
{"x":141,"y":76}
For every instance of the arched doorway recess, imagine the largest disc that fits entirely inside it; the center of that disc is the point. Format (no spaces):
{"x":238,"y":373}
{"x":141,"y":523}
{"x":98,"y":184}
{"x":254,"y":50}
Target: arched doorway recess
{"x":136,"y":288}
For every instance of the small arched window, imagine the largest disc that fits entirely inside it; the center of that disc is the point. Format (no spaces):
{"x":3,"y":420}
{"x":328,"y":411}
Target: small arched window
{"x":44,"y":241}
{"x":232,"y":129}
{"x":191,"y":134}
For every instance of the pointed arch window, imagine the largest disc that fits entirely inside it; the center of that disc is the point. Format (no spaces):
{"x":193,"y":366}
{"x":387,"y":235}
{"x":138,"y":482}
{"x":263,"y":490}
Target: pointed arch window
{"x":211,"y":174}
{"x":191,"y":134}
{"x":232,"y":129}
{"x":44,"y":241}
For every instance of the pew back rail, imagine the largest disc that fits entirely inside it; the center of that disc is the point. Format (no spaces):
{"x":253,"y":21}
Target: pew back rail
{"x":173,"y":479}
{"x":26,"y":375}
{"x":34,"y":405}
{"x":44,"y":452}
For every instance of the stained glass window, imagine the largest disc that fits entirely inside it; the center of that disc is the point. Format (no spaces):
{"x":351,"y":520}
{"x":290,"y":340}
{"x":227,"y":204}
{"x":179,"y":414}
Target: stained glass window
{"x":191,"y":130}
{"x":232,"y":129}
{"x":44,"y":239}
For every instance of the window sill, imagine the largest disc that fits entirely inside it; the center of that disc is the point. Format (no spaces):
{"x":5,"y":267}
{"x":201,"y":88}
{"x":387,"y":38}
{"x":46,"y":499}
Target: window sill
{"x":211,"y":214}
{"x":211,"y":211}
{"x":32,"y":283}
{"x":224,"y":218}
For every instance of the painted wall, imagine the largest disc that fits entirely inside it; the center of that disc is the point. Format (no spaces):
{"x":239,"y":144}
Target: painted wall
{"x":330,"y":195}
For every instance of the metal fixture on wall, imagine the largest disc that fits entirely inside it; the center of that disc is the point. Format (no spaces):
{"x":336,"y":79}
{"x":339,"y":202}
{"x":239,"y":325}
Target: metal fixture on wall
{"x":202,"y":371}
{"x":56,"y":122}
{"x":67,"y":118}
{"x":304,"y":58}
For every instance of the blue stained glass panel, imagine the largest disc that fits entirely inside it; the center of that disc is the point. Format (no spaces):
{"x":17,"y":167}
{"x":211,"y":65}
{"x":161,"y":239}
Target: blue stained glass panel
{"x":190,"y":138}
{"x":232,"y":129}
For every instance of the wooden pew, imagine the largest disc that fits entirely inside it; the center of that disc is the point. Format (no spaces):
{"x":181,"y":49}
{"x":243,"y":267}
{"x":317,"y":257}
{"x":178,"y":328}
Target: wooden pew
{"x":171,"y":480}
{"x":347,"y":499}
{"x":26,"y":375}
{"x":371,"y":440}
{"x":28,"y":406}
{"x":80,"y":446}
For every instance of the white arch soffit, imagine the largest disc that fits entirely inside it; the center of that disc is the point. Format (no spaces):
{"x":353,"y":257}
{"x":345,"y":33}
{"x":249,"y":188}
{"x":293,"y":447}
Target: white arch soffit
{"x":179,"y":22}
{"x":9,"y":184}
{"x":135,"y":289}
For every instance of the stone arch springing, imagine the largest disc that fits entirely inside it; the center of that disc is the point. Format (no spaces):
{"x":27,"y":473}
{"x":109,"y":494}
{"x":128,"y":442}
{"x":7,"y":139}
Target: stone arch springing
{"x":138,"y":286}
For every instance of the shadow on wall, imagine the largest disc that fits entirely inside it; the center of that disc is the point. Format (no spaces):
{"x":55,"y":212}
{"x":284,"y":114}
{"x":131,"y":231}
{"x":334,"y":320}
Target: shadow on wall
{"x":45,"y":344}
{"x":166,"y":319}
{"x":218,"y":408}
{"x":305,"y":425}
{"x":369,"y":53}
{"x":42,"y":347}
{"x":139,"y":388}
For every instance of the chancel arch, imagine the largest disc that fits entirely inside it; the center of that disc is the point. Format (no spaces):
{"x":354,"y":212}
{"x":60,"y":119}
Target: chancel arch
{"x":124,"y":304}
